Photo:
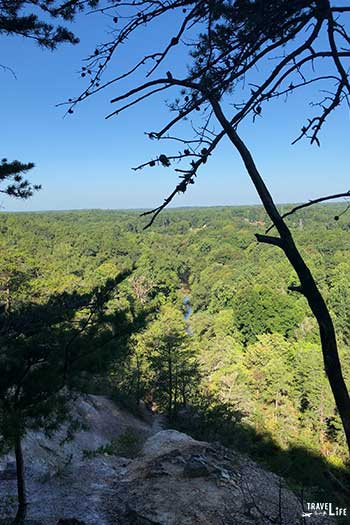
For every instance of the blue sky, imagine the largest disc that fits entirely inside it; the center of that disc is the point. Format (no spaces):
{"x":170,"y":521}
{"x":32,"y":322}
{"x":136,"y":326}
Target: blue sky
{"x":85,"y":161}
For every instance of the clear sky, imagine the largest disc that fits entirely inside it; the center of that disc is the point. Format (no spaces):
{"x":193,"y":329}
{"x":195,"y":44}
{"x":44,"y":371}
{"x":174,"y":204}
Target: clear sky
{"x":85,"y":161}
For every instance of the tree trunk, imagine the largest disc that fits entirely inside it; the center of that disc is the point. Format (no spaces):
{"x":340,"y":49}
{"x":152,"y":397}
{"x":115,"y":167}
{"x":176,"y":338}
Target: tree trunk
{"x":183,"y":391}
{"x":175,"y":402}
{"x":308,"y":286}
{"x":20,"y":518}
{"x":21,"y":488}
{"x":8,"y":300}
{"x":138,"y":380}
{"x":170,"y":385}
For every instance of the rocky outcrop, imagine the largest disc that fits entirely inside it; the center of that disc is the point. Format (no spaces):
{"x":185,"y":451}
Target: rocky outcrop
{"x":180,"y":481}
{"x":174,"y":480}
{"x":65,"y":479}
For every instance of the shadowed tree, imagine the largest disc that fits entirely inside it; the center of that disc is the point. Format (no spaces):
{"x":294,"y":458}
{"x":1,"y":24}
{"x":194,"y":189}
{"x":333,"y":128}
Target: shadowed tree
{"x":38,"y":372}
{"x":33,"y":19}
{"x":241,"y":55}
{"x":161,"y":364}
{"x":47,"y":352}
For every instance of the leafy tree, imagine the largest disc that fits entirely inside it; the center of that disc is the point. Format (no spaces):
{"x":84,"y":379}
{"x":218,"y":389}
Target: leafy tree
{"x":229,"y":41}
{"x":258,"y":311}
{"x":46,"y":350}
{"x":15,"y":275}
{"x":165,"y":348}
{"x":220,"y":356}
{"x":339,"y":298}
{"x":320,"y":425}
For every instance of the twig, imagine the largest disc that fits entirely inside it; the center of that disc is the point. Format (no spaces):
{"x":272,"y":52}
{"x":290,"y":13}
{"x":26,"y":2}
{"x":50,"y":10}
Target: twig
{"x":311,"y":203}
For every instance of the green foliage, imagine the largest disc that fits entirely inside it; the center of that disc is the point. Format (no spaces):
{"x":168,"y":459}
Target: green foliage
{"x":46,"y":351}
{"x":260,"y":310}
{"x":128,"y":445}
{"x":23,"y":17}
{"x":249,"y":365}
{"x":162,"y":364}
{"x":11,"y":174}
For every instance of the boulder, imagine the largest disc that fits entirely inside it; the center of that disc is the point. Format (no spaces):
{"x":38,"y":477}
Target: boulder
{"x":166,"y":441}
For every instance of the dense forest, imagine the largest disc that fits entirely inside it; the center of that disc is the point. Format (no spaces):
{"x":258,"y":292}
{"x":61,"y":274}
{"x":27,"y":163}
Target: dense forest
{"x":192,"y":316}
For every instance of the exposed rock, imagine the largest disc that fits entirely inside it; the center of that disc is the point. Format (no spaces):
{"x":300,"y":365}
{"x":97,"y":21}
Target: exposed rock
{"x":8,"y":472}
{"x":166,"y":441}
{"x":175,"y":480}
{"x":62,"y":483}
{"x":70,"y":521}
{"x":196,"y":467}
{"x":191,"y":482}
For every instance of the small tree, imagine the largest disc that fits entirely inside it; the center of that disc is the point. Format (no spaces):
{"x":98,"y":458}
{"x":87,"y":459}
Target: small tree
{"x":46,"y":349}
{"x":231,"y":78}
{"x":165,"y":354}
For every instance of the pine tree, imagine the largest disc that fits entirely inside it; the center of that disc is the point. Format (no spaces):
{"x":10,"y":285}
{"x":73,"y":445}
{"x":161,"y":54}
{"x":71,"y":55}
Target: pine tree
{"x":171,"y":361}
{"x":46,"y":352}
{"x":12,"y":179}
{"x":22,"y":17}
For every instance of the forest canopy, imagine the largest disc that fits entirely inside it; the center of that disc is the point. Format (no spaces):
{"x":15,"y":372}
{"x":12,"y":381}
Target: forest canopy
{"x":252,"y":345}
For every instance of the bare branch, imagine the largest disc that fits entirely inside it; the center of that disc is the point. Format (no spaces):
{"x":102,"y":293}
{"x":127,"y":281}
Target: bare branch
{"x":275,"y":241}
{"x":187,"y":179}
{"x":311,"y":203}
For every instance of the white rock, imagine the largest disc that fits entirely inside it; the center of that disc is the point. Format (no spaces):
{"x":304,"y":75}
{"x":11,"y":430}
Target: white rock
{"x":165,"y":441}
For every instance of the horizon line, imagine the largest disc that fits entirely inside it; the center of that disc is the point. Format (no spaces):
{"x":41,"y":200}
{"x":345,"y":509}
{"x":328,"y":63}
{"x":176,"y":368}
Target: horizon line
{"x":170,"y":208}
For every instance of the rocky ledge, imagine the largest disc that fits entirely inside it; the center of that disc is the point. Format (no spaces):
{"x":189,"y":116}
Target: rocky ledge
{"x":171,"y":480}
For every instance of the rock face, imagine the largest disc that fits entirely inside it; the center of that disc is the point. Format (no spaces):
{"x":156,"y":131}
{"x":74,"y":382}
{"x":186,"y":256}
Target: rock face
{"x":180,"y":481}
{"x":175,"y":480}
{"x":62,"y":483}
